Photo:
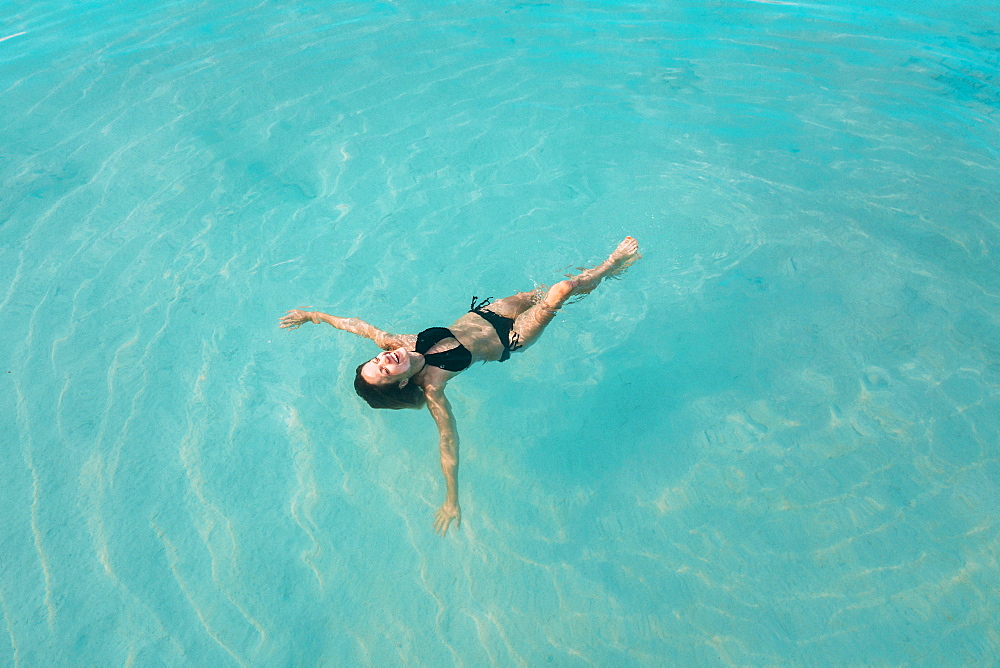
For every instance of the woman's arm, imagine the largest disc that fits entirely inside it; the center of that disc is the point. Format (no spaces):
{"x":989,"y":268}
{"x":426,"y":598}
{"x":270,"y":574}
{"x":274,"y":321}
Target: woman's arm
{"x":445,"y":420}
{"x":296,"y":318}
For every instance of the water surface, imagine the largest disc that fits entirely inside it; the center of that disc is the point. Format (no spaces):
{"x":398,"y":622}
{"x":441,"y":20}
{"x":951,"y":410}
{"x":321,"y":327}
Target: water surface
{"x":774,"y":441}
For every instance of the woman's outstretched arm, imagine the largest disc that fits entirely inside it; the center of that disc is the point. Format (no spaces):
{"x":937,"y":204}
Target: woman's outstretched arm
{"x":384,"y":340}
{"x":445,"y":420}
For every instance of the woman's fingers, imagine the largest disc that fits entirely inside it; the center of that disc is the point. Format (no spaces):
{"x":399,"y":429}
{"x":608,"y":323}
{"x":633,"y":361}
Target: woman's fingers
{"x":293,"y":319}
{"x":441,"y":522}
{"x":444,"y":517}
{"x":291,"y":322}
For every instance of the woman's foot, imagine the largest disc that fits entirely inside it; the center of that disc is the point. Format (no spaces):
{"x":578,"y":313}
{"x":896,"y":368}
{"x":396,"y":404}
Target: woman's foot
{"x":626,"y":253}
{"x":620,"y":259}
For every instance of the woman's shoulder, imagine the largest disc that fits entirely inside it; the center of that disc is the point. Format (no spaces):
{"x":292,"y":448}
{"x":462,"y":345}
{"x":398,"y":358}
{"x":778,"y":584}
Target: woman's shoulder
{"x":432,"y":380}
{"x":434,"y":383}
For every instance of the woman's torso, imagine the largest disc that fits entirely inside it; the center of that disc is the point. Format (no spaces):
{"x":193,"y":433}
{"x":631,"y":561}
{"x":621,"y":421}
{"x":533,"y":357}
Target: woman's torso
{"x":478,"y":336}
{"x":470,"y":331}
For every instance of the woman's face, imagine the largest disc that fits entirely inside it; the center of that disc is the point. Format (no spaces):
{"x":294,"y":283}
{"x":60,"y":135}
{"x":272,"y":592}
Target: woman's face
{"x":391,"y":366}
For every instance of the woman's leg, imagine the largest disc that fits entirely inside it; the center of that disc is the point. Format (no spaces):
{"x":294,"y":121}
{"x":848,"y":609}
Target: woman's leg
{"x":620,"y":259}
{"x":531,"y":323}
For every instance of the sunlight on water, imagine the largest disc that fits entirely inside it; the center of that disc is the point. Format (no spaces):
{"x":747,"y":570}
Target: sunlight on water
{"x":774,"y":441}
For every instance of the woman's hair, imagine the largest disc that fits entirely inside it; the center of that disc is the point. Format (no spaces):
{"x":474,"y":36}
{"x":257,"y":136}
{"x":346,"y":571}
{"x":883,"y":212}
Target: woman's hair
{"x":389,"y":395}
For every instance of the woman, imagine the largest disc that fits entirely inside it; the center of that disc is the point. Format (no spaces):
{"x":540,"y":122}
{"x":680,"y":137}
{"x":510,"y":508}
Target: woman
{"x":414,"y":369}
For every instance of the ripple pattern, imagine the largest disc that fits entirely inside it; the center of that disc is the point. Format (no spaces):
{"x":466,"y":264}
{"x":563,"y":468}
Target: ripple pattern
{"x":774,"y":441}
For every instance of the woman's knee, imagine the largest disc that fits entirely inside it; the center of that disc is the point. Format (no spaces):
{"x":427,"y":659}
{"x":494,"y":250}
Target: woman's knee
{"x":530,"y":324}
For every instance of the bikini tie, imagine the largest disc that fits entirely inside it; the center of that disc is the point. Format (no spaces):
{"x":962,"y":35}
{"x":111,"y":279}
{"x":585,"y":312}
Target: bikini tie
{"x":475,"y":307}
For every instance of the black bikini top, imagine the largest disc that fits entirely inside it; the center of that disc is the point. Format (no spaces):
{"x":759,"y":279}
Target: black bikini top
{"x":456,"y":359}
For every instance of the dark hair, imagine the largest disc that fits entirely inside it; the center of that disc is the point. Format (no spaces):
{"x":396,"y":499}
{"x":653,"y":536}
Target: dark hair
{"x":388,"y":395}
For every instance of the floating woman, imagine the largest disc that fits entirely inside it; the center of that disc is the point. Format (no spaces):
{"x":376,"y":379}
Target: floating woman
{"x":414,"y":369}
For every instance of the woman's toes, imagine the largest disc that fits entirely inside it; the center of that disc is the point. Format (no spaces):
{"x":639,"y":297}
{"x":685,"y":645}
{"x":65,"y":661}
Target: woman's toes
{"x":627,"y":249}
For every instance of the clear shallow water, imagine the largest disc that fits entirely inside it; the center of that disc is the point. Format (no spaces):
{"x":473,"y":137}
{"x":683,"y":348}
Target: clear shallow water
{"x":774,"y":441}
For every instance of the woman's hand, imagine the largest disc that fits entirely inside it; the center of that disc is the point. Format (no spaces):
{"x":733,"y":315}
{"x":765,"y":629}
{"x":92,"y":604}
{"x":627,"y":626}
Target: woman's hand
{"x":295,"y":319}
{"x":445,"y":514}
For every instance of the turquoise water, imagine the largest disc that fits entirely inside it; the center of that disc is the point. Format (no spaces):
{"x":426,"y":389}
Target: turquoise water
{"x":774,"y":441}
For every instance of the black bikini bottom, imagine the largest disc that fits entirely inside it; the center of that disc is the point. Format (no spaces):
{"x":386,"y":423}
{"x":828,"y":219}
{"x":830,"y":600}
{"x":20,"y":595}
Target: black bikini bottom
{"x":502,"y":324}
